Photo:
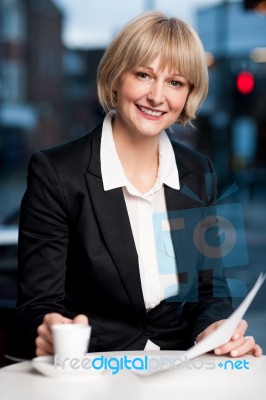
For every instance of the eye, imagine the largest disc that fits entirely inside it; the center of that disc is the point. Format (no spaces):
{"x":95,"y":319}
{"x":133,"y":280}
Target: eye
{"x":176,"y":84}
{"x":142,"y":75}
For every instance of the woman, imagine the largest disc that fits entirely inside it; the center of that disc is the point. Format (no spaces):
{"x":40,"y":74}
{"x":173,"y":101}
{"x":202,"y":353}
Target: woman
{"x":86,"y":245}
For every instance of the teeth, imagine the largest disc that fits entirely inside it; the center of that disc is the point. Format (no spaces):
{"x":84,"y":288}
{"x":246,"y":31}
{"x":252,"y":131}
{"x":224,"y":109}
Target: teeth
{"x":150,"y":112}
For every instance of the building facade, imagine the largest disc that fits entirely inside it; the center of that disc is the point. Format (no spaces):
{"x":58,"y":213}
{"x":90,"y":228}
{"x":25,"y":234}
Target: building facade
{"x":235,"y":121}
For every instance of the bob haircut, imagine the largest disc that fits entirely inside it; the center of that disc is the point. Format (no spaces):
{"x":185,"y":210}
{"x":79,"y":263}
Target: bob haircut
{"x":140,"y":42}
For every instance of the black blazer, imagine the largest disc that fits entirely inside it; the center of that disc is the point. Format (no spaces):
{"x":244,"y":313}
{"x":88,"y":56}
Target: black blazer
{"x":77,"y":254}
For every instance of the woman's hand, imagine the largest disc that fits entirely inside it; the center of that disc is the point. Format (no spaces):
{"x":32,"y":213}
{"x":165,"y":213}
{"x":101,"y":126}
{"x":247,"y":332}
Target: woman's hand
{"x":238,"y":345}
{"x":44,"y":340}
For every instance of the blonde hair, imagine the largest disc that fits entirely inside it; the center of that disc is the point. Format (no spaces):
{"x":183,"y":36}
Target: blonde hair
{"x":144,"y":39}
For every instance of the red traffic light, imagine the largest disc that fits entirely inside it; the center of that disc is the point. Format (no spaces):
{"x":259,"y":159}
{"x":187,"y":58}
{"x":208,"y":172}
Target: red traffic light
{"x":245,"y":82}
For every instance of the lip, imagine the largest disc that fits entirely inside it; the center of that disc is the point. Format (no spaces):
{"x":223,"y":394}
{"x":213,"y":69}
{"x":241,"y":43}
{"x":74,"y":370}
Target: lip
{"x":150,"y":117}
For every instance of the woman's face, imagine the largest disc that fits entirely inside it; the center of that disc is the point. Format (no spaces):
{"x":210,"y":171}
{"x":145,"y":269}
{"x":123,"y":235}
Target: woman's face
{"x":149,"y":99}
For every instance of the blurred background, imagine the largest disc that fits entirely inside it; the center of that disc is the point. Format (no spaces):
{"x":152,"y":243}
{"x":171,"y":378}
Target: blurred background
{"x":49,"y":52}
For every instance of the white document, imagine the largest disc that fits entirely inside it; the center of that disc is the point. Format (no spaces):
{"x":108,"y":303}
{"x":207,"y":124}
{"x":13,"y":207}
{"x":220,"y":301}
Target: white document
{"x":217,"y":338}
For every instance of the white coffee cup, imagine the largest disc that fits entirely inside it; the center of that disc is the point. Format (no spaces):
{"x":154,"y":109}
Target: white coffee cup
{"x":70,"y":341}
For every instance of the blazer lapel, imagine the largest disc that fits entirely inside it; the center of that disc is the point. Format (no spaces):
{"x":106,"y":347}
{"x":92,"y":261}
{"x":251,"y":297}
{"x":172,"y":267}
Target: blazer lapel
{"x":111,"y":213}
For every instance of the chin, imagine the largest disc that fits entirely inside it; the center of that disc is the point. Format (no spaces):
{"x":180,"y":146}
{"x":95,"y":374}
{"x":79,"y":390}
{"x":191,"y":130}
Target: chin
{"x":150,"y":131}
{"x":153,"y":133}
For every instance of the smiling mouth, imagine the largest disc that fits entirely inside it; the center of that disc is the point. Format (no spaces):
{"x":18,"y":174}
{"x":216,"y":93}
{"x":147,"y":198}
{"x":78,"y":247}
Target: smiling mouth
{"x":148,"y":111}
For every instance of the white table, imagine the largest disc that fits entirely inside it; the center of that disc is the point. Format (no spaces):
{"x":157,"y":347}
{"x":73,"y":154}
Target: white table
{"x":195,"y":381}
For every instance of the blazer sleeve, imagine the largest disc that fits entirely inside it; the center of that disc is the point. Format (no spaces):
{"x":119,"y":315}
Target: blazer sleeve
{"x":42,"y":250}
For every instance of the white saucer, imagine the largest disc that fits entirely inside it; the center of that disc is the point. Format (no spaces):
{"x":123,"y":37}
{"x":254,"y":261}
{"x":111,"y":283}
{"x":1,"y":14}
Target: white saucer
{"x":47,"y":367}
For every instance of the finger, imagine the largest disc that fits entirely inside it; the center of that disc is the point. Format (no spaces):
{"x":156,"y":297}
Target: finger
{"x":246,"y":347}
{"x":81,"y":319}
{"x":240,"y":330}
{"x":40,"y":353}
{"x":256,"y":351}
{"x":55,"y":318}
{"x":229,"y":346}
{"x":43,"y":347}
{"x":44,"y":332}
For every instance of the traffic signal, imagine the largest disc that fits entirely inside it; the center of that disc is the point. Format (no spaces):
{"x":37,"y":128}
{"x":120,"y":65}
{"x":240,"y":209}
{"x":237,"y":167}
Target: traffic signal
{"x":244,"y":93}
{"x":245,"y":82}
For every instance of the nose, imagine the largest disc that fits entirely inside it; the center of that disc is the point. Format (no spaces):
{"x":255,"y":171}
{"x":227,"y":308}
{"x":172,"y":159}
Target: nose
{"x":156,"y":94}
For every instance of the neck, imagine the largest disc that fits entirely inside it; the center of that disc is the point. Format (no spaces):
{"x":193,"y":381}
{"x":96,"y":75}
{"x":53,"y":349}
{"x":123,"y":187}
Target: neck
{"x":135,"y":148}
{"x":139,"y":156}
